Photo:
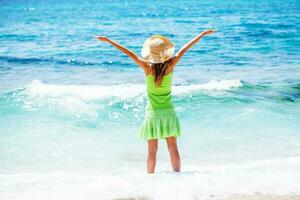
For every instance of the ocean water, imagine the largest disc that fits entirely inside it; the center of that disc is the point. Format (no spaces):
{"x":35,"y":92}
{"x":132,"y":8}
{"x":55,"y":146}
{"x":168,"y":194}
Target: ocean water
{"x":71,"y":106}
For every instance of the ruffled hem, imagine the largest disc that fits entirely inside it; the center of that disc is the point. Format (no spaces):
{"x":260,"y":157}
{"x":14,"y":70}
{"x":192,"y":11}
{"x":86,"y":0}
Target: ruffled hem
{"x":160,"y":124}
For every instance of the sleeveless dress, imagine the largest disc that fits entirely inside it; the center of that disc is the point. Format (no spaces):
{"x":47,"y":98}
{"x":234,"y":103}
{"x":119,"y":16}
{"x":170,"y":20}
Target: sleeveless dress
{"x":160,"y":120}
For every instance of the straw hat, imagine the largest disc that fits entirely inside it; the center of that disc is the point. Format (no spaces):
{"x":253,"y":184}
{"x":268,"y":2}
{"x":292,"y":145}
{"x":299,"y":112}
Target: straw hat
{"x":157,"y":49}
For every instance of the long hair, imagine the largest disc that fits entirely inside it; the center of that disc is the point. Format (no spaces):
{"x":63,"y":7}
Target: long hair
{"x":159,"y":71}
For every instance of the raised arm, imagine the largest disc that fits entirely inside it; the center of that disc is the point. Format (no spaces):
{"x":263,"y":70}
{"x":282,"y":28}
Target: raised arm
{"x":131,"y":54}
{"x":188,"y":45}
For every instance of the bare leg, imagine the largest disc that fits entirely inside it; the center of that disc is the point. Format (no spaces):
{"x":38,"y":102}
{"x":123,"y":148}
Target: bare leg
{"x":152,"y":150}
{"x":174,"y":154}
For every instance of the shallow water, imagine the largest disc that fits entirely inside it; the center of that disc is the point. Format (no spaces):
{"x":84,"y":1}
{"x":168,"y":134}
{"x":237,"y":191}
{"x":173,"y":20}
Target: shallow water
{"x":70,"y":106}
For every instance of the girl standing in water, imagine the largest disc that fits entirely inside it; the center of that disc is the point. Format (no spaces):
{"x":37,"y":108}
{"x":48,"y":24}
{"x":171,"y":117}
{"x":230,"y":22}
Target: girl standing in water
{"x":161,"y":121}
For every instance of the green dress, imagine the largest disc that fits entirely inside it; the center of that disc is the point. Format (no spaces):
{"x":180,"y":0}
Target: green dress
{"x":160,"y":120}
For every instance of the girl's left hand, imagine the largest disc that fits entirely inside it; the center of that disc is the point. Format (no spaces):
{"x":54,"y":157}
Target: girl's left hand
{"x":102,"y":38}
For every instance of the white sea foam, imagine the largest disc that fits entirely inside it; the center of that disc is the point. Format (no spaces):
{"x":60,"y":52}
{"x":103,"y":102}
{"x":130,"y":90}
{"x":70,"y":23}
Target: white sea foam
{"x":276,"y":176}
{"x":38,"y":88}
{"x":223,"y":84}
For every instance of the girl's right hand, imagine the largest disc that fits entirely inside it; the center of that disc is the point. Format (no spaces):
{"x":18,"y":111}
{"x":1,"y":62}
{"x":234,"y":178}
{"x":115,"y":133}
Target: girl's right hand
{"x":208,"y":32}
{"x":102,"y":38}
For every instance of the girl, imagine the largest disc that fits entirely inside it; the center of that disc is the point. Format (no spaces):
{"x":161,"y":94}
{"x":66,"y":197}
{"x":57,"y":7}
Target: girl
{"x":160,"y":120}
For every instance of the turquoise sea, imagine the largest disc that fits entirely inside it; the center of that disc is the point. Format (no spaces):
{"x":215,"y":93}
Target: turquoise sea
{"x":71,"y":106}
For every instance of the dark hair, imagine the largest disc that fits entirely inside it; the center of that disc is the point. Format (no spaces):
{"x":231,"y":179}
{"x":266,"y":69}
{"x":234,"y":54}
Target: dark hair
{"x":159,"y":71}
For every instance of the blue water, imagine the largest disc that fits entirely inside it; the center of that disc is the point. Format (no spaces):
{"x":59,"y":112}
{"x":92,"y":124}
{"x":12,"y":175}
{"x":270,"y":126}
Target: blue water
{"x":71,"y":106}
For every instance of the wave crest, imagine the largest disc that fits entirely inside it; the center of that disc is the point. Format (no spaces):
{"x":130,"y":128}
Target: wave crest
{"x":122,"y":91}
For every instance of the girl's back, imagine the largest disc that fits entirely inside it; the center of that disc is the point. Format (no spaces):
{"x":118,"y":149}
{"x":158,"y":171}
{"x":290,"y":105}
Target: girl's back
{"x":159,"y":96}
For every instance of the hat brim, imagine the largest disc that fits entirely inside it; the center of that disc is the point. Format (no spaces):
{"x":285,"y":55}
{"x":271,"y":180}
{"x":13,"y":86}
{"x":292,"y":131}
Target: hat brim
{"x":157,"y":59}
